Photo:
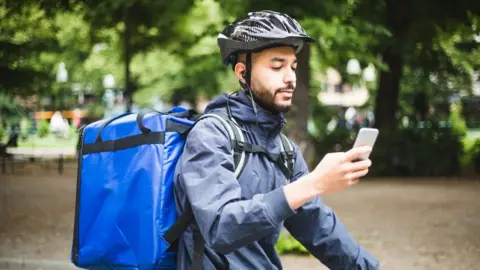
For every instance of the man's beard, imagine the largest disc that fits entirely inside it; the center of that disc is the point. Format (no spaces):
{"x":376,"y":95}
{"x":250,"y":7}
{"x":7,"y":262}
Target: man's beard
{"x":265,"y":99}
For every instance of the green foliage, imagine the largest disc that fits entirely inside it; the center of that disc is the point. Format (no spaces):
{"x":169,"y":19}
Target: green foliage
{"x":43,"y":129}
{"x":27,"y":128}
{"x":26,"y":33}
{"x":474,"y":152}
{"x":174,"y":56}
{"x":51,"y":141}
{"x":191,"y":66}
{"x":457,"y":119}
{"x":340,"y":139}
{"x":287,"y":244}
{"x":73,"y":133}
{"x":433,"y":150}
{"x":96,"y":111}
{"x":86,"y":61}
{"x":3,"y":133}
{"x":158,"y":74}
{"x":11,"y":112}
{"x":471,"y":159}
{"x":430,"y":151}
{"x":341,"y":38}
{"x":427,"y":38}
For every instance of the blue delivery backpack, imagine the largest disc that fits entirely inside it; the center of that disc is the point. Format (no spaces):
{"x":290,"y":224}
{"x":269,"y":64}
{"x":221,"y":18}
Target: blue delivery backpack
{"x":125,"y":212}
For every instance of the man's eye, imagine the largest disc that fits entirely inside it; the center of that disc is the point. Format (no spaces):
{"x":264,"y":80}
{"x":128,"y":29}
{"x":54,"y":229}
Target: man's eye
{"x":294,"y":68}
{"x":277,"y":68}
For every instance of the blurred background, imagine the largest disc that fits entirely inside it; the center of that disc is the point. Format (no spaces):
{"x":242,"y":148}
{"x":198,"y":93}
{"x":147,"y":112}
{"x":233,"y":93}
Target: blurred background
{"x":409,"y":68}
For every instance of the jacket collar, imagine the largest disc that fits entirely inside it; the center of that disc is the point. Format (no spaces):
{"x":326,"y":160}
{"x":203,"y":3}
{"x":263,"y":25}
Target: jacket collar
{"x":269,"y":124}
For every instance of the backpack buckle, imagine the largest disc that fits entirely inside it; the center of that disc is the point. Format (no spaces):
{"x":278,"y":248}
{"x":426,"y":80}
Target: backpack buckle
{"x":239,"y":146}
{"x":288,"y":155}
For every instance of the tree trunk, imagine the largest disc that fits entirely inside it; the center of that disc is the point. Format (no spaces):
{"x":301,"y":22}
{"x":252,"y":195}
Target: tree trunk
{"x":386,"y":102}
{"x":299,"y":114}
{"x":398,"y":19}
{"x":127,"y":59}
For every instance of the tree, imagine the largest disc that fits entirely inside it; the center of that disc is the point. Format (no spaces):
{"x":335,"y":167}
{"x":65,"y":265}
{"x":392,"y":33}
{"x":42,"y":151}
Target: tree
{"x":188,"y":67}
{"x":25,"y":35}
{"x":142,"y":25}
{"x":37,"y":36}
{"x":415,"y":27}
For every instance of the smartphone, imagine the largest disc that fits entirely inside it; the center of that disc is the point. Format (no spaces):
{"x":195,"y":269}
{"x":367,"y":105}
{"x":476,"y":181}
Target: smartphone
{"x":366,"y":136}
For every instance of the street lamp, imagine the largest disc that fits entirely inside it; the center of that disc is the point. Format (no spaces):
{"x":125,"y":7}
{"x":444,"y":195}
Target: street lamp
{"x":109,"y":81}
{"x":62,"y":77}
{"x":109,"y":96}
{"x":57,"y":122}
{"x":62,"y":73}
{"x":369,"y":73}
{"x":476,"y":83}
{"x":353,"y":67}
{"x":476,"y":38}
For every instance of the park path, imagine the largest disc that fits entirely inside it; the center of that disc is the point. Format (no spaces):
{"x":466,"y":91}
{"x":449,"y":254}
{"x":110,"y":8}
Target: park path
{"x":407,"y":224}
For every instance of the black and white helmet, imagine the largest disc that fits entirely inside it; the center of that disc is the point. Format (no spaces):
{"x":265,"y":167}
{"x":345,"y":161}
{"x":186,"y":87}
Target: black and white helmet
{"x":260,"y":30}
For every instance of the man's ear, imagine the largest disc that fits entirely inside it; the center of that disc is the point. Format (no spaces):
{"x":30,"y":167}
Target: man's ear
{"x":241,"y":72}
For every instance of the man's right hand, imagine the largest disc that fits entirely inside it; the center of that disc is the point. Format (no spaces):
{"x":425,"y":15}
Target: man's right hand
{"x":336,"y":171}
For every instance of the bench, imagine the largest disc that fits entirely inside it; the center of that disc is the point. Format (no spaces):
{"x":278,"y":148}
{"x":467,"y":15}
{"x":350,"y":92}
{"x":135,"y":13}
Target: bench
{"x":11,"y":151}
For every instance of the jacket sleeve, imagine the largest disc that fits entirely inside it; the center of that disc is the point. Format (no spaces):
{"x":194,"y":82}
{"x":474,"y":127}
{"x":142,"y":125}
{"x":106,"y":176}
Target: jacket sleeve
{"x":226,"y":221}
{"x":322,"y":233}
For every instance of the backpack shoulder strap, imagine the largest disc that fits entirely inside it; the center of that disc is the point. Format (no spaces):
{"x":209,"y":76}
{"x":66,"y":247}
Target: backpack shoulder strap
{"x":287,"y":152}
{"x":237,"y":139}
{"x":286,"y":159}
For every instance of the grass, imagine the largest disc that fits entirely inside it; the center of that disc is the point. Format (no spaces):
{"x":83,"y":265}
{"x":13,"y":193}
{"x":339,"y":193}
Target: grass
{"x":47,"y":142}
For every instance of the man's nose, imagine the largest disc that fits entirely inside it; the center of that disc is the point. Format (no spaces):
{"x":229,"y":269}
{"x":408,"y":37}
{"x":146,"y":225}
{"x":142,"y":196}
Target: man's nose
{"x":290,"y":76}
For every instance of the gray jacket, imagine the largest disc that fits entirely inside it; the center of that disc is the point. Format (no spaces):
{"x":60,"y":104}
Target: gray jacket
{"x":242,"y":219}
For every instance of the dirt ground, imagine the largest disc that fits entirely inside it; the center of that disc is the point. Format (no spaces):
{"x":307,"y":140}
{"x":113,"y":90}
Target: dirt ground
{"x":407,"y":224}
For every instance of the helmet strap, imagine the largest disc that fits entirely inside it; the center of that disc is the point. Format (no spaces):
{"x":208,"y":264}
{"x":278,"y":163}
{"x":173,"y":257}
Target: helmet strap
{"x":246,"y":86}
{"x":249,"y":69}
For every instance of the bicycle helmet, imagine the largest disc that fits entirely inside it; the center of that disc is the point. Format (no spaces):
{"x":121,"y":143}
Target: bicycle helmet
{"x":258,"y":31}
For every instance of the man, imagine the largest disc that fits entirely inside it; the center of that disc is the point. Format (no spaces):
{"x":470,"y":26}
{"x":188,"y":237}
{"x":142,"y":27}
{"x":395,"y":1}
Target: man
{"x":240,"y":219}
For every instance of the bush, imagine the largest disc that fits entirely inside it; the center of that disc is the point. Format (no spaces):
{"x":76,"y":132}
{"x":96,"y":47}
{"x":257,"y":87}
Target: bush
{"x":474,"y":154}
{"x":429,"y":151}
{"x":457,"y":119}
{"x":27,"y":128}
{"x":288,"y":244}
{"x":73,"y":130}
{"x":96,"y":111}
{"x":339,"y":140}
{"x":3,"y":133}
{"x":44,"y":129}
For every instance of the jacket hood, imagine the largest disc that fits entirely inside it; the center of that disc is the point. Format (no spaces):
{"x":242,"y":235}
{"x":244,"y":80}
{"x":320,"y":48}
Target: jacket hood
{"x":241,"y":106}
